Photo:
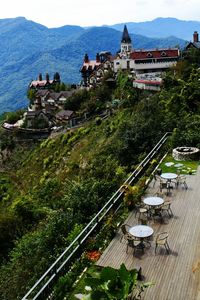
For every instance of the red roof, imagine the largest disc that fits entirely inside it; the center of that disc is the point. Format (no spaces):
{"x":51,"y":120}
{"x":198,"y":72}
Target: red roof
{"x":147,"y":81}
{"x":157,"y":53}
{"x":36,"y":83}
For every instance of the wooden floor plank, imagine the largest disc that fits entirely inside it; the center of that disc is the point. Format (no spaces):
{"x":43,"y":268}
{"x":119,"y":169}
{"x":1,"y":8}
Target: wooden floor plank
{"x":176,"y":276}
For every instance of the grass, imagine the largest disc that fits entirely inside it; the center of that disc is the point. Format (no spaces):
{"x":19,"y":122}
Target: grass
{"x":187,"y":167}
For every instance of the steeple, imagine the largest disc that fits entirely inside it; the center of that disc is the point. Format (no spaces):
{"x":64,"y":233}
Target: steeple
{"x":126,"y":45}
{"x":125,"y":36}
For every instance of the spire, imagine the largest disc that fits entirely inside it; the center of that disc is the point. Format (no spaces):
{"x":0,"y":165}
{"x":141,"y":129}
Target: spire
{"x":125,"y":36}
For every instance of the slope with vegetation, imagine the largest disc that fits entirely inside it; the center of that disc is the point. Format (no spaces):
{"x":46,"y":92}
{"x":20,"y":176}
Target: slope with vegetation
{"x":50,"y":190}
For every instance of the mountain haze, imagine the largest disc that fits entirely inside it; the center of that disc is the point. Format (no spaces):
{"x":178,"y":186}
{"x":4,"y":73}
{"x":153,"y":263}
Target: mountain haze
{"x":162,"y":27}
{"x":29,"y":48}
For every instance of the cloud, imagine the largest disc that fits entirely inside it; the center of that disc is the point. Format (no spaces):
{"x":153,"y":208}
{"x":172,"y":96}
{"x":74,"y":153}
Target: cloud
{"x":89,"y":12}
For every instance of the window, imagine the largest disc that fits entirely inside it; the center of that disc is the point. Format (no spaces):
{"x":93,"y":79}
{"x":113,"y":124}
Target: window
{"x":149,"y":54}
{"x":163,"y":53}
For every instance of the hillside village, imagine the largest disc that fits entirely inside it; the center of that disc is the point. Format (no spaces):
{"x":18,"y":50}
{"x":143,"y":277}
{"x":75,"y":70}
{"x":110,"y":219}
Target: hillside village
{"x":146,"y":69}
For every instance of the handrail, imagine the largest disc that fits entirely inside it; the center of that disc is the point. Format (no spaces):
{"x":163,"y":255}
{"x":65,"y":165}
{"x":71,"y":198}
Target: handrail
{"x":59,"y":263}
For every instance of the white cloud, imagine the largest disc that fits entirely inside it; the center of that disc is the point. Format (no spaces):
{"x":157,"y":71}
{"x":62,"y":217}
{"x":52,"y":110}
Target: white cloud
{"x":98,"y":12}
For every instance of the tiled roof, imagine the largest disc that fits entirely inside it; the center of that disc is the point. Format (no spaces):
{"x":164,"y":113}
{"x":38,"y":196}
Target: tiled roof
{"x":147,"y":81}
{"x":53,"y":95}
{"x":40,"y":82}
{"x":91,"y":65}
{"x":42,"y":93}
{"x":64,"y":114}
{"x":157,"y":53}
{"x":194,"y":44}
{"x":34,"y":113}
{"x":66,"y":94}
{"x":197,"y":44}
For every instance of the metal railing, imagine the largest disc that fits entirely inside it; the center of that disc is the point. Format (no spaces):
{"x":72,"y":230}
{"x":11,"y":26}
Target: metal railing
{"x":44,"y":285}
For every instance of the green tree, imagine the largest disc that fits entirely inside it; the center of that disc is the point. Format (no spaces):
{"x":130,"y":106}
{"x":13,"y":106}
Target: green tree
{"x":31,"y":94}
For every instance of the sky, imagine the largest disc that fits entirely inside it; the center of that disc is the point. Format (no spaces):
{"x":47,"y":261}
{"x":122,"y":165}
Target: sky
{"x":56,"y":13}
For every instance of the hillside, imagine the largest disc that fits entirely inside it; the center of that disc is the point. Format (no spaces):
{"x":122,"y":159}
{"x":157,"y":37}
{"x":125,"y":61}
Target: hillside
{"x":31,"y":48}
{"x":49,"y":190}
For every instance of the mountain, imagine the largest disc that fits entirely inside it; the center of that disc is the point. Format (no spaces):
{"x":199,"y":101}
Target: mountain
{"x":162,"y":27}
{"x":29,"y":48}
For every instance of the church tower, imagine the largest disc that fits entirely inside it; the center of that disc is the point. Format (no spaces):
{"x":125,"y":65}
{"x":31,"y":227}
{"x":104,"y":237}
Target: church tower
{"x":126,"y":45}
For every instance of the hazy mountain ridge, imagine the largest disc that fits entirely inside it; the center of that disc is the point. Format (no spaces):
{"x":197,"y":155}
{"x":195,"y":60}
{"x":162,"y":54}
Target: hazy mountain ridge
{"x":29,"y":48}
{"x":162,"y":27}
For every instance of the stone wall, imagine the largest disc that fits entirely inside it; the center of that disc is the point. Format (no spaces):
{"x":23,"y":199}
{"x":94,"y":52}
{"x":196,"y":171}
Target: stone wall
{"x":186,"y":153}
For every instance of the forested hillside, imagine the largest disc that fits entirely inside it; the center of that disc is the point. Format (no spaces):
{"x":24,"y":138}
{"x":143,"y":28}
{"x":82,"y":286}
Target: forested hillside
{"x":29,"y":48}
{"x":50,"y":190}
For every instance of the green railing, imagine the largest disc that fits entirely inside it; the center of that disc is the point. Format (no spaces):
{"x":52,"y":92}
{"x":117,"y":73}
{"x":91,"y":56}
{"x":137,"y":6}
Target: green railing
{"x":43,"y":287}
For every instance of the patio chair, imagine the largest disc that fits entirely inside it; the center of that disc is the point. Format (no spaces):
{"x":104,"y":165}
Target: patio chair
{"x":125,"y":231}
{"x":156,"y":177}
{"x":143,"y":219}
{"x":181,"y":180}
{"x":142,"y":210}
{"x":166,"y":207}
{"x":160,"y":194}
{"x":165,"y":185}
{"x":161,"y":240}
{"x":133,"y":243}
{"x":156,"y":214}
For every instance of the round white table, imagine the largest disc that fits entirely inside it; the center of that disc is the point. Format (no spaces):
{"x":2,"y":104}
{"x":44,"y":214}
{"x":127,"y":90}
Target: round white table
{"x":141,"y":231}
{"x":169,"y":176}
{"x":153,"y":201}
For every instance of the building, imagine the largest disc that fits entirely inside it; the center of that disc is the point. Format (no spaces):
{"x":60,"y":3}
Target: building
{"x":145,"y":84}
{"x":135,"y":61}
{"x":196,"y":43}
{"x":93,"y":70}
{"x":144,"y":61}
{"x":41,"y":84}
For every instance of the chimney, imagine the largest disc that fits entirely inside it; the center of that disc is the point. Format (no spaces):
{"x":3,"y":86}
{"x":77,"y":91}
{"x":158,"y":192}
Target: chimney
{"x":47,"y":77}
{"x":97,"y":57}
{"x":195,"y":37}
{"x":40,"y":77}
{"x":86,"y":58}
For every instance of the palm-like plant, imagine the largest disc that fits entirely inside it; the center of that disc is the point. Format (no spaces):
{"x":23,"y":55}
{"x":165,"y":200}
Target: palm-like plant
{"x":114,"y":284}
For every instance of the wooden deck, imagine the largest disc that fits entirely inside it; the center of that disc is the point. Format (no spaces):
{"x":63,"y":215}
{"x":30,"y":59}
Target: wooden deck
{"x":177,"y":275}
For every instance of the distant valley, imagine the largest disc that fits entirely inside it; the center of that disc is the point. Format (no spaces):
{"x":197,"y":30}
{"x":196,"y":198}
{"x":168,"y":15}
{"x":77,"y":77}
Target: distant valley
{"x":29,"y":48}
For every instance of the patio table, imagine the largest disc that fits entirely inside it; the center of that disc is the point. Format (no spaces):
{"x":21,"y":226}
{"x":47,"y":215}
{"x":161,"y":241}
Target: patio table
{"x":153,"y":201}
{"x":141,"y":232}
{"x":169,"y":176}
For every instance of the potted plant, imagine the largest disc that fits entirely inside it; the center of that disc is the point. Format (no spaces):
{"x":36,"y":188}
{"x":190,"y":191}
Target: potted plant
{"x":132,"y":195}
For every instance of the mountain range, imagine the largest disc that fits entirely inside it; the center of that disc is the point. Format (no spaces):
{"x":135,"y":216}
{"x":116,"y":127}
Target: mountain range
{"x":29,"y":48}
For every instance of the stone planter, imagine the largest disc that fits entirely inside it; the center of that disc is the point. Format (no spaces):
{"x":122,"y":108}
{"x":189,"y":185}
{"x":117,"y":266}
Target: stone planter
{"x":186,"y":153}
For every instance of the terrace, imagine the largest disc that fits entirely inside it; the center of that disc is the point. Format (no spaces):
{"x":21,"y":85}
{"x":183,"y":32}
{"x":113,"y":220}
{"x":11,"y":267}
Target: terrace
{"x":176,"y":275}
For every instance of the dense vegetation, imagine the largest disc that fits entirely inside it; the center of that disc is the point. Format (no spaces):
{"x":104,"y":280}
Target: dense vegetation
{"x":50,"y":190}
